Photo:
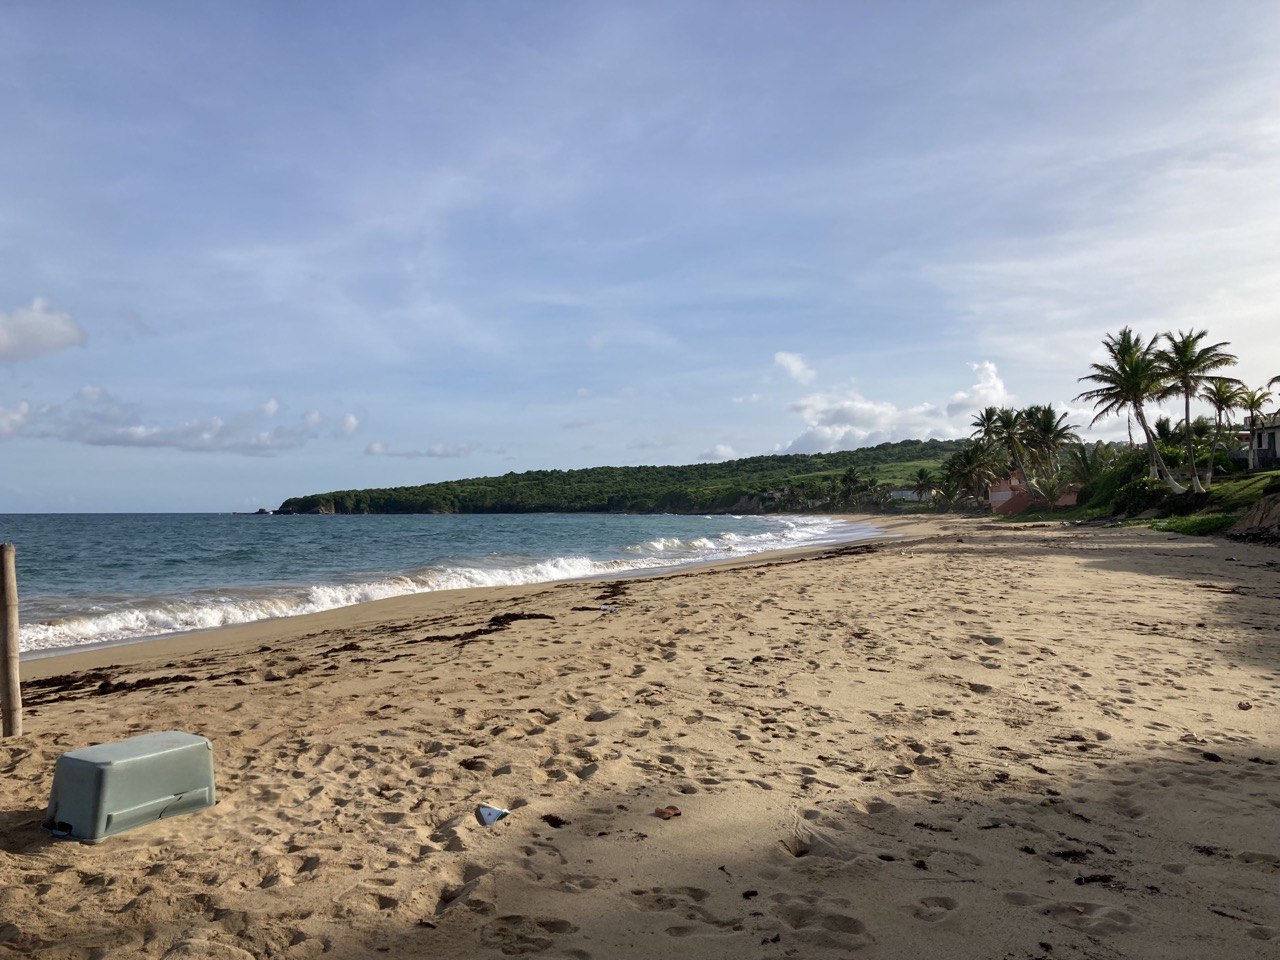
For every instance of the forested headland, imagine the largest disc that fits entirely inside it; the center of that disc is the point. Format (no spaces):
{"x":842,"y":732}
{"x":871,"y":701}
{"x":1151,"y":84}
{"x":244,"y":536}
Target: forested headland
{"x":783,"y":482}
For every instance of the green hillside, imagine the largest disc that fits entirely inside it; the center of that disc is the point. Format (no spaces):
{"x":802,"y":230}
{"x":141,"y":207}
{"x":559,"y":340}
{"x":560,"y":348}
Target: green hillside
{"x":755,"y":484}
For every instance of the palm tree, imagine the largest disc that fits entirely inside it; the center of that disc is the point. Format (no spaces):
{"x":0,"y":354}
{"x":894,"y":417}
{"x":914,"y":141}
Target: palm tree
{"x":948,"y":493}
{"x":1132,"y":377}
{"x":1086,"y":462}
{"x":1252,"y":402}
{"x":984,"y":424}
{"x":1011,"y":433}
{"x":1187,"y":364}
{"x":972,"y":469}
{"x":851,"y":481}
{"x":1047,"y":432}
{"x":1050,"y":488}
{"x":924,"y":483}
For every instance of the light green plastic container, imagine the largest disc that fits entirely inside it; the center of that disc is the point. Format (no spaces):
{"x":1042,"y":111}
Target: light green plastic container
{"x":112,"y":787}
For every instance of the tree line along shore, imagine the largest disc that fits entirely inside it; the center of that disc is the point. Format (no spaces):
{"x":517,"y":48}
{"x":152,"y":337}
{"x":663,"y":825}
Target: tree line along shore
{"x":1169,"y":468}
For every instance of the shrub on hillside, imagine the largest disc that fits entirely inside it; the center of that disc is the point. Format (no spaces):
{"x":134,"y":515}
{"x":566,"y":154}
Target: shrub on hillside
{"x":1138,"y":495}
{"x":1132,"y":465}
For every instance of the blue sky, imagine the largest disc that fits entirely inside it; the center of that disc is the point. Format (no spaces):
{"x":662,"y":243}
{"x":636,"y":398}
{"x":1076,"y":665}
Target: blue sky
{"x":255,"y":250}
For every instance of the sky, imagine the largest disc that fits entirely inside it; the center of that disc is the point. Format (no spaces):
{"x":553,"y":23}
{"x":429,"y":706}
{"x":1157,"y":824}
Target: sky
{"x":257,"y":250}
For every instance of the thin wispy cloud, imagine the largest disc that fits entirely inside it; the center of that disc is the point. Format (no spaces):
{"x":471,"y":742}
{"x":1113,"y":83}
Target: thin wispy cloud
{"x":795,"y":367}
{"x":96,"y":418}
{"x":448,"y":451}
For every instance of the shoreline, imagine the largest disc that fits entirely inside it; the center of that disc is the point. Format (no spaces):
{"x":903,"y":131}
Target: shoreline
{"x":95,"y":654}
{"x":970,"y":742}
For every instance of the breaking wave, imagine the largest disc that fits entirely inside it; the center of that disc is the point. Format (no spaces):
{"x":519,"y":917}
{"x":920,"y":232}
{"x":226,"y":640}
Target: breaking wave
{"x":76,"y":621}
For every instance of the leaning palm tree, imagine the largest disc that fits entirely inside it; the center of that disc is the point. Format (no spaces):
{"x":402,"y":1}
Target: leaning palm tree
{"x":1188,"y":363}
{"x":1131,"y":378}
{"x":1253,"y":402}
{"x":1223,"y":394}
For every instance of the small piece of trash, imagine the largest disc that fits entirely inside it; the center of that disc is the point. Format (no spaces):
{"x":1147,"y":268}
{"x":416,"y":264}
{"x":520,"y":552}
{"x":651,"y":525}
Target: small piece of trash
{"x":488,"y":816}
{"x":608,"y":608}
{"x":666,"y":813}
{"x":1245,"y":705}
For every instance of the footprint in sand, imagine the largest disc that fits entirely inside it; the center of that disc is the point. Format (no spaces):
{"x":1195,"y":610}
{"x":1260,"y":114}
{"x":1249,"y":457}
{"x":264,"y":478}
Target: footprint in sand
{"x":517,"y":934}
{"x":933,"y":909}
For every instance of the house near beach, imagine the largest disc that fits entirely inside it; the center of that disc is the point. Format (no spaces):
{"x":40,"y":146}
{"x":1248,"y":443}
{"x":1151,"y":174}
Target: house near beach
{"x":1264,"y":439}
{"x":1011,"y":495}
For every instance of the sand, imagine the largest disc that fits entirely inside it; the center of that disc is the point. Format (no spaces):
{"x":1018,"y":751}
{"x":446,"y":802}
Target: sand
{"x":981,"y":741}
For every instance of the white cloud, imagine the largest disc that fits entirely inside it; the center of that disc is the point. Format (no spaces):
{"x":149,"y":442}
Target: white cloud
{"x":350,"y":423}
{"x":313,"y":418}
{"x":12,"y":419}
{"x":750,"y":398}
{"x":721,"y":451}
{"x":93,"y":416}
{"x":30,"y":331}
{"x":446,"y":450}
{"x":844,"y":421}
{"x":989,"y":391}
{"x":795,"y":366}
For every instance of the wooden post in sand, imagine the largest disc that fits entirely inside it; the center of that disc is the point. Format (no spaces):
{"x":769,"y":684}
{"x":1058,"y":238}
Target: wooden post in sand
{"x":10,"y":686}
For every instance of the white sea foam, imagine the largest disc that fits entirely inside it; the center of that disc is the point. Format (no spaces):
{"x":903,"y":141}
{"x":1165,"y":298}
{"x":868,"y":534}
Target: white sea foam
{"x":119,"y":619}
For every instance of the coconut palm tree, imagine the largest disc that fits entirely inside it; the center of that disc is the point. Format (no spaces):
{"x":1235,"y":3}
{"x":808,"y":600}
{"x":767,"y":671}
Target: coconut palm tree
{"x":973,"y":469}
{"x":1223,"y":394}
{"x":948,"y":493}
{"x":1253,"y":402}
{"x":1131,"y":378}
{"x":852,"y":481}
{"x":1049,"y":488}
{"x":1047,"y":432}
{"x":1084,"y":463}
{"x":984,"y":424}
{"x":1011,"y":432}
{"x":924,"y":483}
{"x":1166,"y":432}
{"x":1187,"y":363}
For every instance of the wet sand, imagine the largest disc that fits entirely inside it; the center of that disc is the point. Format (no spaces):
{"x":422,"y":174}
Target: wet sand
{"x":977,"y":741}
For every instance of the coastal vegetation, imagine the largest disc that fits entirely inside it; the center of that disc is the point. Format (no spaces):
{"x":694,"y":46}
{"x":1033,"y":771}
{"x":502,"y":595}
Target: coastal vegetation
{"x":849,"y":479}
{"x":1170,"y":473}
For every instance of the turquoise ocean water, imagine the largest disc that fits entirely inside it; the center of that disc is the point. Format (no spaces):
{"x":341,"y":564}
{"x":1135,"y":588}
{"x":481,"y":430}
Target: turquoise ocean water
{"x":94,"y":578}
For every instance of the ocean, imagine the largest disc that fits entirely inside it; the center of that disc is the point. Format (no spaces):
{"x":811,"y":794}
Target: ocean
{"x":97,"y":578}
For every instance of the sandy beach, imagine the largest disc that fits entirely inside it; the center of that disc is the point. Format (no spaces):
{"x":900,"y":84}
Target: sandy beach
{"x":977,"y":740}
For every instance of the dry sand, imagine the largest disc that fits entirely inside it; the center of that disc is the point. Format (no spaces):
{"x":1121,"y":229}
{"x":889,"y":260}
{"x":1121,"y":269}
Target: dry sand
{"x":979,"y":741}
